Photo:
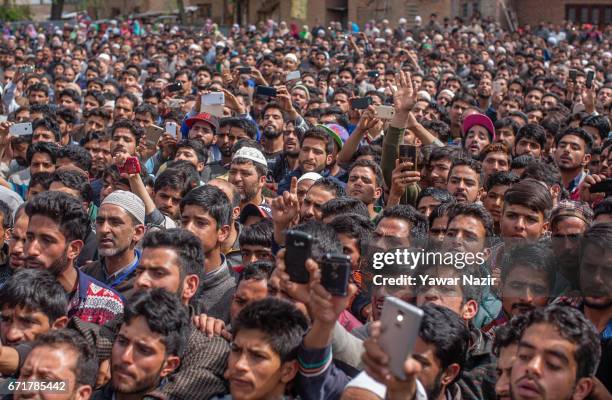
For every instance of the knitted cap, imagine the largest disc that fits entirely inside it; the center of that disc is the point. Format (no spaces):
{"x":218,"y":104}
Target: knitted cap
{"x":131,"y":203}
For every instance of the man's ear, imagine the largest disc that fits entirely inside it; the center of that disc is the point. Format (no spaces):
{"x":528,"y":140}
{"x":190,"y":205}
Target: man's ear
{"x":139,"y":231}
{"x":235,"y":213}
{"x":329,"y":160}
{"x":483,"y":195}
{"x":83,"y":392}
{"x":7,"y":234}
{"x":583,"y":388}
{"x":223,"y":233}
{"x":469,"y":310}
{"x":60,"y":323}
{"x":378,"y":192}
{"x":262,"y":180}
{"x":586,"y":160}
{"x":170,"y":365}
{"x":449,"y":374}
{"x":190,"y":286}
{"x":74,"y":249}
{"x":200,"y":167}
{"x":555,"y":190}
{"x":288,"y":371}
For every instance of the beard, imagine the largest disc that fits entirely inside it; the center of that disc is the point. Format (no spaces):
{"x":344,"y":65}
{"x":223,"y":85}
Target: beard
{"x":270,"y":132}
{"x":60,"y":264}
{"x":250,"y":192}
{"x":114,"y":251}
{"x":433,"y":392}
{"x":138,"y":386}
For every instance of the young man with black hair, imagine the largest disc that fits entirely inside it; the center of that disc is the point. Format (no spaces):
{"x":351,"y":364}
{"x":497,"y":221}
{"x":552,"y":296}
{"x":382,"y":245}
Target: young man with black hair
{"x":505,"y":345}
{"x":343,"y":205}
{"x":531,"y":140}
{"x":505,"y":132}
{"x":97,"y":143}
{"x":256,"y":242}
{"x":572,"y":155}
{"x":273,"y":119}
{"x":66,"y":118}
{"x":547,"y":173}
{"x":365,"y":182}
{"x":568,"y":342}
{"x":75,"y":156}
{"x":149,"y":346}
{"x":438,"y":164}
{"x":125,"y":104}
{"x":248,"y":173}
{"x":55,"y":236}
{"x":172,"y":260}
{"x":274,"y":329}
{"x":527,"y":207}
{"x":231,"y":130}
{"x":465,"y":180}
{"x":41,"y":157}
{"x":206,"y":212}
{"x":597,"y":126}
{"x":403,"y":222}
{"x":493,"y":196}
{"x":431,"y":197}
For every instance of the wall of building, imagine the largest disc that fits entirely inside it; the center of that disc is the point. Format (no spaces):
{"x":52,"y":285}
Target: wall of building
{"x":532,"y":12}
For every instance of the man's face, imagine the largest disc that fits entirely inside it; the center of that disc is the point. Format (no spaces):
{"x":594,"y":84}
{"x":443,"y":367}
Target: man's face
{"x":431,"y":369}
{"x":123,"y":140}
{"x":189,"y":154}
{"x":495,"y":162}
{"x":100,"y":154}
{"x":42,"y":134}
{"x":159,"y":267}
{"x":246,"y":179}
{"x":124,"y":108}
{"x":128,"y":80}
{"x":313,"y":155}
{"x":506,"y":358}
{"x":570,"y":153}
{"x":437,"y":173}
{"x":247,"y":292}
{"x":203,"y":78}
{"x":94,"y":123}
{"x":115,"y":230}
{"x":199,"y":222}
{"x":528,"y":146}
{"x":62,"y":361}
{"x":427,"y":204}
{"x":144,"y":119}
{"x":494,"y":201}
{"x":254,"y":369}
{"x":520,"y":222}
{"x":393,"y":227}
{"x":46,"y":247}
{"x":466,"y":234}
{"x":566,"y":233}
{"x":457,"y":110}
{"x":168,"y":201}
{"x":534,"y":98}
{"x":291,"y":142}
{"x":476,"y":139}
{"x":313,"y":201}
{"x":545,"y":367}
{"x":37,"y":97}
{"x":595,"y":275}
{"x":464,"y":184}
{"x":41,"y":162}
{"x":524,"y":289}
{"x":341,"y":100}
{"x":227,"y":138}
{"x":252,"y":253}
{"x":362,"y":185}
{"x":138,"y":359}
{"x":68,"y":102}
{"x":16,"y":244}
{"x":273,"y":118}
{"x":22,"y":324}
{"x":203,"y":132}
{"x":505,"y":135}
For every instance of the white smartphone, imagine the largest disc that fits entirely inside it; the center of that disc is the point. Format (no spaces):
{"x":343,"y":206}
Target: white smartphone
{"x":213,"y":98}
{"x":22,"y":129}
{"x":3,"y":118}
{"x":172,"y":129}
{"x":293,"y":75}
{"x":385,"y":112}
{"x":213,"y":109}
{"x":497,"y":87}
{"x":400,"y":328}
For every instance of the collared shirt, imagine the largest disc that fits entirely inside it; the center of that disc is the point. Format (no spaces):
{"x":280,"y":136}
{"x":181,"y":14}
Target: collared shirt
{"x":93,"y":301}
{"x":574,"y":185}
{"x":123,"y":273}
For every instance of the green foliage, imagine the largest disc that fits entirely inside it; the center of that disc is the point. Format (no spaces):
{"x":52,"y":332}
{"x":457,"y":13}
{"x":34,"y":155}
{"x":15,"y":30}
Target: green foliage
{"x":15,"y":13}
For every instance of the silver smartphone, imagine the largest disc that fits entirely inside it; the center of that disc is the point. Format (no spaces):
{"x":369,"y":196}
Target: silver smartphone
{"x":21,"y":129}
{"x":400,"y":322}
{"x":293,"y":75}
{"x":385,"y":112}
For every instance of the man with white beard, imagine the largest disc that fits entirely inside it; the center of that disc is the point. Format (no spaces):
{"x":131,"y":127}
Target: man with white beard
{"x":119,"y":228}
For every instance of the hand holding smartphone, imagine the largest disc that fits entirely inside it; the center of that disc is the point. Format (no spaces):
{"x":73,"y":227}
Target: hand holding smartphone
{"x":172,"y":129}
{"x":408,"y":153}
{"x":298,"y":250}
{"x":131,"y":166}
{"x":360,"y":103}
{"x":335,"y":273}
{"x":400,"y":323}
{"x":21,"y":129}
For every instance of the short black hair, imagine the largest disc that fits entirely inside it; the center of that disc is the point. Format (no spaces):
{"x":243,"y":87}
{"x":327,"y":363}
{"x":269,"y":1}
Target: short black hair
{"x":259,"y":270}
{"x":212,"y":200}
{"x":197,"y":146}
{"x":598,"y":122}
{"x":573,"y":326}
{"x":66,"y":115}
{"x":344,"y":205}
{"x":242,"y":123}
{"x":536,"y":256}
{"x":475,"y":210}
{"x":532,"y":194}
{"x":86,"y":365}
{"x":507,"y":122}
{"x":320,"y":134}
{"x":324,"y":237}
{"x":355,"y":226}
{"x":7,"y":215}
{"x":41,"y":178}
{"x":522,"y":161}
{"x":448,"y":333}
{"x":74,"y":180}
{"x":65,"y":210}
{"x":279,"y":320}
{"x":331,"y":185}
{"x":165,"y":315}
{"x":177,"y":179}
{"x":52,"y":149}
{"x":73,"y":94}
{"x":145,"y":108}
{"x":127,"y":124}
{"x":604,"y":207}
{"x":442,"y":195}
{"x":49,"y":123}
{"x":579,"y":132}
{"x":258,"y":234}
{"x":418,"y":222}
{"x":37,"y":290}
{"x":502,"y":178}
{"x":373,"y":166}
{"x":533,"y":132}
{"x":77,"y":155}
{"x":509,"y":333}
{"x":186,"y":245}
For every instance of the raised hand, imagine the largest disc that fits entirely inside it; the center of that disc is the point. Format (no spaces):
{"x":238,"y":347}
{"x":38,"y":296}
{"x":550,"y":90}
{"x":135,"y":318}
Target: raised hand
{"x":404,"y":97}
{"x":285,"y":208}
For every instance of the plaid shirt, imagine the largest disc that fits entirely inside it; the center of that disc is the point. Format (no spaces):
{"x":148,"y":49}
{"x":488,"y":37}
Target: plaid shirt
{"x":93,"y":301}
{"x":478,"y":376}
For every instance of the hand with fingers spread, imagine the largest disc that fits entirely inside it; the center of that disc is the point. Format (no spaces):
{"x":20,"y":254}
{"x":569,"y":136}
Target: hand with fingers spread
{"x":284,"y":100}
{"x":404,"y":97}
{"x":368,"y":119}
{"x":377,"y":366}
{"x":232,"y":102}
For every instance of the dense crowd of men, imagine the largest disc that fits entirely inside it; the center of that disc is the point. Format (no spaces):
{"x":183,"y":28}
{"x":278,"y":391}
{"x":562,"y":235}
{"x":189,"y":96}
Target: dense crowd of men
{"x":149,"y":233}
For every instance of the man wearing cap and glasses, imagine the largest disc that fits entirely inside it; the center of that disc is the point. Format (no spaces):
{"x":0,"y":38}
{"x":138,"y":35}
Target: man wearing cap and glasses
{"x":248,"y":172}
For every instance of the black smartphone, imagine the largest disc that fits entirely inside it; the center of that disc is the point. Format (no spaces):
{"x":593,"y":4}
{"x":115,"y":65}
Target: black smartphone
{"x":175,"y":87}
{"x":265,"y":91}
{"x":602,"y":187}
{"x":572,"y":75}
{"x":335,"y":273}
{"x":244,"y":70}
{"x":361,"y":103}
{"x":589,"y":79}
{"x":408,"y":152}
{"x":373,"y":74}
{"x":298,"y":249}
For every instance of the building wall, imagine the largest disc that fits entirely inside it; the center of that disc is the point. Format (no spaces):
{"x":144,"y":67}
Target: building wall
{"x":532,"y":12}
